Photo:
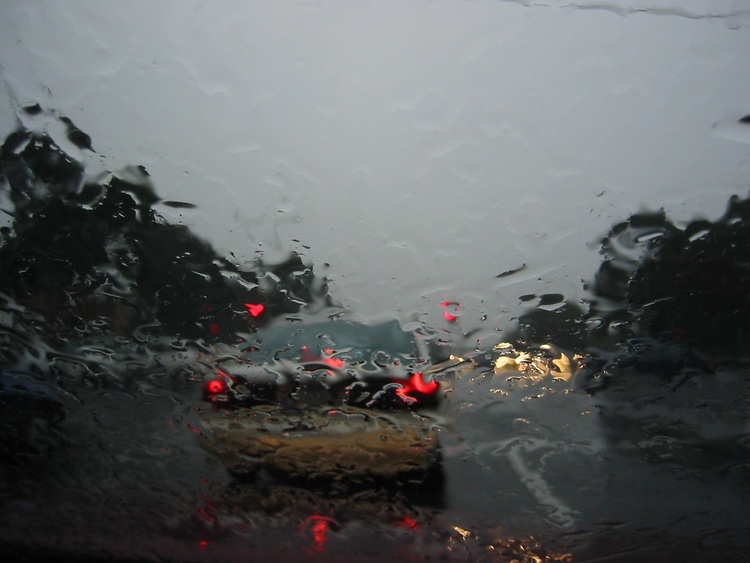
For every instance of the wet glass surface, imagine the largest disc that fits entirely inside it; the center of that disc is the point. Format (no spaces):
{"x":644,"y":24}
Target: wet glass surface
{"x":309,"y":281}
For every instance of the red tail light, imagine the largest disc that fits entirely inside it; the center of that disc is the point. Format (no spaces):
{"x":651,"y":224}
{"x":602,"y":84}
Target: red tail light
{"x":216,"y":387}
{"x":255,"y":309}
{"x":416,"y":385}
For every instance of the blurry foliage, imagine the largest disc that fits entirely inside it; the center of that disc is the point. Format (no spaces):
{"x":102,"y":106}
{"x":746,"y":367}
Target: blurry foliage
{"x":563,"y":326}
{"x":690,"y":285}
{"x":89,"y":256}
{"x":660,"y":292}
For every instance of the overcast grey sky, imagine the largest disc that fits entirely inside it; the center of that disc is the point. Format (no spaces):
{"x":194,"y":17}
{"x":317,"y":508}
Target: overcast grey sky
{"x":420,"y":148}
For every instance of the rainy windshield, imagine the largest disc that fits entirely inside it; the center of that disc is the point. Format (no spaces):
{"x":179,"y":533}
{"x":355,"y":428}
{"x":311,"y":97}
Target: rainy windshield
{"x":359,"y":281}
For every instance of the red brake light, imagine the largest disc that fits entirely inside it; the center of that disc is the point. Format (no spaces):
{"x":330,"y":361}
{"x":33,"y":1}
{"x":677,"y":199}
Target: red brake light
{"x":335,"y":362}
{"x":255,"y":309}
{"x":417,"y":384}
{"x":448,"y":315}
{"x":216,"y":387}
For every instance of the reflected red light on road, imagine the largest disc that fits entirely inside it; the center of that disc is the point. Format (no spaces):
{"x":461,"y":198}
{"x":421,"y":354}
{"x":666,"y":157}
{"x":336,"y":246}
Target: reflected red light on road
{"x":255,"y":309}
{"x":408,"y":522}
{"x":319,"y":528}
{"x":449,"y":317}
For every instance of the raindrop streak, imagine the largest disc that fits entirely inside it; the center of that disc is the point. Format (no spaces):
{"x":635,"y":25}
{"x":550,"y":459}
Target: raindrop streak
{"x":507,"y":273}
{"x":179,"y":204}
